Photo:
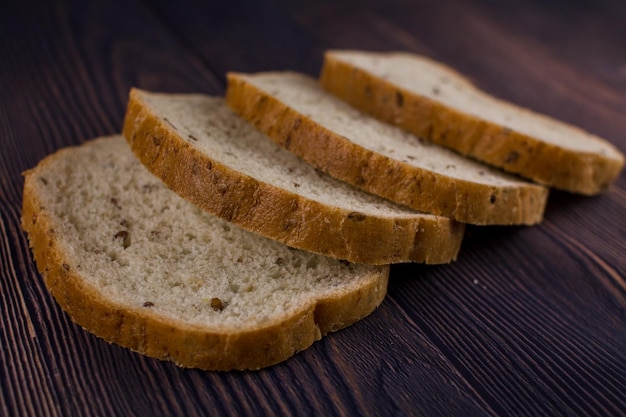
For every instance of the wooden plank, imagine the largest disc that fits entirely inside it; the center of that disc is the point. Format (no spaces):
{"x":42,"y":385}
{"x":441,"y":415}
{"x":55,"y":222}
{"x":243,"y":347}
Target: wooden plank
{"x":241,"y":35}
{"x":529,"y":321}
{"x":530,"y":336}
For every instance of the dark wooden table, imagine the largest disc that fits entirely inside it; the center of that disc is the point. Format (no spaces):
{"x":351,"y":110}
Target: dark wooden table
{"x":527,"y":322}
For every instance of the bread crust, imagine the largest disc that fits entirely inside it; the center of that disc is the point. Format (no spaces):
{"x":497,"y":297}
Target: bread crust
{"x":580,"y":172}
{"x":421,"y":189}
{"x":146,"y":332}
{"x":280,"y":214}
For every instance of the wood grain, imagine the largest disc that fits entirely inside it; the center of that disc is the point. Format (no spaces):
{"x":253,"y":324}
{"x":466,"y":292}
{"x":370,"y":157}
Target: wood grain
{"x":528,"y":321}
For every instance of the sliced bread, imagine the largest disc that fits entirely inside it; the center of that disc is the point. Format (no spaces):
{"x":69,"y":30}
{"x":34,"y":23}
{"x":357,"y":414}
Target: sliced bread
{"x":135,"y":264}
{"x":382,"y":159}
{"x":221,"y":163}
{"x":435,"y":102}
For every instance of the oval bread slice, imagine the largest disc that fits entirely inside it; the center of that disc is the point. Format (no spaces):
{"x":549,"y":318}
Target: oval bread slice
{"x":135,"y":264}
{"x":297,"y":113}
{"x":435,"y":102}
{"x":210,"y":156}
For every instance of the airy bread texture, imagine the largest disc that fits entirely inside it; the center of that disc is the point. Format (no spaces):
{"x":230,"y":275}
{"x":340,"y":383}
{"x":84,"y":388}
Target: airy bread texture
{"x":221,"y":163}
{"x":436,"y":103}
{"x":298,"y":114}
{"x":137,"y":265}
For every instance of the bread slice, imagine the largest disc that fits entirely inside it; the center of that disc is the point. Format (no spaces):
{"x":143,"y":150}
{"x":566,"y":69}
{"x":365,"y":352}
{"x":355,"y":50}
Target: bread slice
{"x":216,"y":160}
{"x":435,"y":102}
{"x":334,"y":137}
{"x":135,"y":264}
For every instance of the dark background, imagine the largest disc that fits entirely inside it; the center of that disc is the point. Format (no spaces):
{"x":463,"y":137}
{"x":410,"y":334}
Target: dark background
{"x":530,"y":321}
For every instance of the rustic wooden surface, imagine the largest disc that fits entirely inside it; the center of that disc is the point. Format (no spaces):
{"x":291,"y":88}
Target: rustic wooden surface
{"x":528,"y":321}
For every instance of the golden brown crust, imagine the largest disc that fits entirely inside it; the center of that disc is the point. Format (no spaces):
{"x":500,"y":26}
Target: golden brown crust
{"x":424,"y":190}
{"x":188,"y":346}
{"x":579,"y":172}
{"x":277,"y":213}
